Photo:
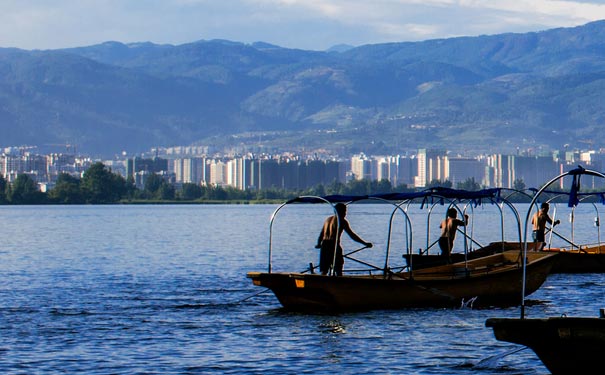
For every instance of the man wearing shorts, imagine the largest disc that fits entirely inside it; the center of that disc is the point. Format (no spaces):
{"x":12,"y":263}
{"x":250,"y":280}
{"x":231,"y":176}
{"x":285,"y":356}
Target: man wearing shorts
{"x":539,"y":221}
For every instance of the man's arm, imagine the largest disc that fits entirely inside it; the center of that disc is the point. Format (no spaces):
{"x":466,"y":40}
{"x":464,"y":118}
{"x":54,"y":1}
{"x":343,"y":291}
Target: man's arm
{"x":462,"y":223}
{"x":353,"y":235}
{"x":553,"y":223}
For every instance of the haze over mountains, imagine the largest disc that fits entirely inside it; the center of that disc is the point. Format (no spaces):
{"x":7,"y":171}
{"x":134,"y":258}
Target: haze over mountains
{"x":488,"y":93}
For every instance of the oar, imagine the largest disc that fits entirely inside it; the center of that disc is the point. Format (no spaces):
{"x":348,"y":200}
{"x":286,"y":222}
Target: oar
{"x":550,"y":229}
{"x":431,"y":245}
{"x":492,"y":360}
{"x":354,"y":251}
{"x":469,"y":237}
{"x":364,"y":263}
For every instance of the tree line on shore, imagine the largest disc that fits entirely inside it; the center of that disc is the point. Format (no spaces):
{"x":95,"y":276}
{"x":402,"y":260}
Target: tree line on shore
{"x":99,"y":185}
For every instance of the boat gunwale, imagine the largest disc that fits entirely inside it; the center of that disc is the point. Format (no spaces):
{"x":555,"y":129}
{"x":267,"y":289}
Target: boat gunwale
{"x":454,"y":271}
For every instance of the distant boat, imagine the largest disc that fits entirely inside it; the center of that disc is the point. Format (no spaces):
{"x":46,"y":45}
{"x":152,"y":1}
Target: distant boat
{"x":573,"y":257}
{"x":565,"y":345}
{"x":419,"y":261}
{"x":491,"y":280}
{"x":428,"y":257}
{"x":584,"y":259}
{"x":578,"y":259}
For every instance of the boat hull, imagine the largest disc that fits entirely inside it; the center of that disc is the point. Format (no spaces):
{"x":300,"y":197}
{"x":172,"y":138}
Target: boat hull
{"x":564,"y":345}
{"x":589,"y":259}
{"x":585,"y":260}
{"x":493,"y":280}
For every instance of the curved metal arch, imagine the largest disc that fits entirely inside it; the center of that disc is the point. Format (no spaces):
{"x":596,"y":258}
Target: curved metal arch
{"x":396,"y":208}
{"x":575,"y":172}
{"x":408,"y":227}
{"x":516,"y":191}
{"x":274,"y":215}
{"x":597,"y":221}
{"x":503,"y":201}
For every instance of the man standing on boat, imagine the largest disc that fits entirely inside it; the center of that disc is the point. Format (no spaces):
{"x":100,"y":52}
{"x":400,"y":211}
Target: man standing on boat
{"x":329,"y":240}
{"x":449,"y":226}
{"x":539,"y":221}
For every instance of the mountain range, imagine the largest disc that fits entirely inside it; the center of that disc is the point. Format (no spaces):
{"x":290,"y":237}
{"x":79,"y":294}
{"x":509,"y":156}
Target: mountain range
{"x":492,"y":93}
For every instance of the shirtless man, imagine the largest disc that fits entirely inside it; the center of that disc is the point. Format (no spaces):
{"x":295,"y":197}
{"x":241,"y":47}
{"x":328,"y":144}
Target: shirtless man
{"x":449,"y":226}
{"x":539,"y":221}
{"x":329,"y":240}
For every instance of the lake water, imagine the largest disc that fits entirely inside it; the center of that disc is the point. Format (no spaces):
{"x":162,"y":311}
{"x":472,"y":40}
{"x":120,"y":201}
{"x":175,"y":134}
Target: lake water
{"x":162,"y":289}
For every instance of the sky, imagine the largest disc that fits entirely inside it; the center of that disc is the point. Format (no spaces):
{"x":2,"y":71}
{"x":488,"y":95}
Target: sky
{"x":302,"y":24}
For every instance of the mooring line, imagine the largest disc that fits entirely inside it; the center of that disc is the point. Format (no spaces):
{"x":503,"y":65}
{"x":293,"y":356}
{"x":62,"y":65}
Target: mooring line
{"x":491,"y":360}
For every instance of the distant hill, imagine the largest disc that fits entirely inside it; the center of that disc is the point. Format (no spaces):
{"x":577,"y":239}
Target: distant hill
{"x":340,"y":48}
{"x":487,"y":93}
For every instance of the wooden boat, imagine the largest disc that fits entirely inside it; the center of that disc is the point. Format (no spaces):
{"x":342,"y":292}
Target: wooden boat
{"x":491,"y":280}
{"x":579,"y":259}
{"x":430,"y":255}
{"x":573,"y":257}
{"x":566,"y":345}
{"x":423,"y":260}
{"x":583,"y":259}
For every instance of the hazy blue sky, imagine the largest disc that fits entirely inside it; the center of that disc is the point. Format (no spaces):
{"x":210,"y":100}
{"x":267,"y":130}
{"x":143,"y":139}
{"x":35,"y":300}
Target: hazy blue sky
{"x":305,"y":24}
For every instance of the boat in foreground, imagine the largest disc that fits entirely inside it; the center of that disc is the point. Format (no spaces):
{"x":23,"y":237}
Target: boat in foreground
{"x":491,"y":280}
{"x":566,"y":345}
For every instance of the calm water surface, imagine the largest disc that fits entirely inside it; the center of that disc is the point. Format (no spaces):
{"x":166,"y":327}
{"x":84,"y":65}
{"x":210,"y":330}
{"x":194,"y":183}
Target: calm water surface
{"x":162,"y":290}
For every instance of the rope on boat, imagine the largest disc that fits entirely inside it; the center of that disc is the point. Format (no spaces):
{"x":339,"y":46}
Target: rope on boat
{"x":310,"y":269}
{"x":251,"y":296}
{"x":492,"y":360}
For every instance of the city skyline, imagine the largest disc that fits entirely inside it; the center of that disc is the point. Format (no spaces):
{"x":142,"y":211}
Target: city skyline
{"x":292,"y":171}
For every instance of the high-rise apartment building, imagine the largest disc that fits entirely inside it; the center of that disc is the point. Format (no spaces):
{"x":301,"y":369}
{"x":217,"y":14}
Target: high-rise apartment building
{"x":361,"y":167}
{"x":190,"y":170}
{"x":429,"y":166}
{"x":458,"y":170}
